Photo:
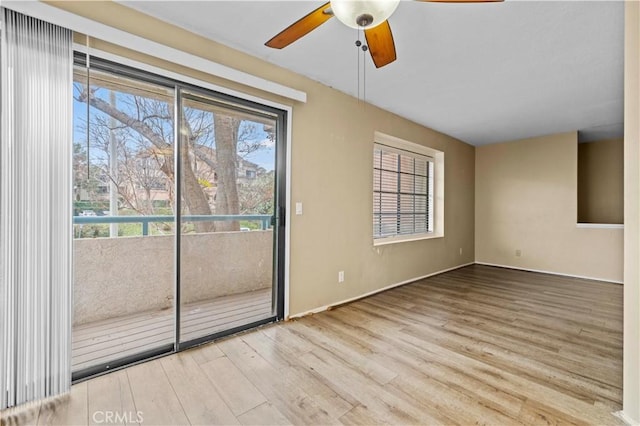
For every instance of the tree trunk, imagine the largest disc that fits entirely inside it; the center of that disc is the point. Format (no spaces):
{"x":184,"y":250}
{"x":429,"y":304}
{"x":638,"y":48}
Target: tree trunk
{"x":192,"y":193}
{"x":226,"y":131}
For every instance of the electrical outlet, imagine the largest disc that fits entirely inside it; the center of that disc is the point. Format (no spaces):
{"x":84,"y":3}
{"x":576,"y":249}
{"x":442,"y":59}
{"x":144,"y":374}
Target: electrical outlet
{"x":340,"y":276}
{"x":460,"y":251}
{"x":518,"y":253}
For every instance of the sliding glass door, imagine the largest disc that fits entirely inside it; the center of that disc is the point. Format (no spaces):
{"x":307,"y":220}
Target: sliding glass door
{"x":178,"y":239}
{"x":123,"y":220}
{"x":228,"y":195}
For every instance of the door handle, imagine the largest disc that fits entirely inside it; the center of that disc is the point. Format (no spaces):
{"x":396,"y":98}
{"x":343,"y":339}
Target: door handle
{"x":279,"y":217}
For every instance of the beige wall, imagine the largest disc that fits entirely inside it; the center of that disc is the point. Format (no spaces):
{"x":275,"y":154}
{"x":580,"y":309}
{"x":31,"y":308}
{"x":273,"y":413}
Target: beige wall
{"x":526,"y":199}
{"x":631,"y":358}
{"x":331,"y":174}
{"x":601,"y":182}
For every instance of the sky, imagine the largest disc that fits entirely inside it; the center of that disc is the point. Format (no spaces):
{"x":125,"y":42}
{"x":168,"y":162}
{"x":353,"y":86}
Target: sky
{"x":264,"y":157}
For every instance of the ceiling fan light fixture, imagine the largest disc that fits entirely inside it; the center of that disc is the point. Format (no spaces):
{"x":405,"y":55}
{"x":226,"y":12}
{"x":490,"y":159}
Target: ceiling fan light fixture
{"x":363,"y":14}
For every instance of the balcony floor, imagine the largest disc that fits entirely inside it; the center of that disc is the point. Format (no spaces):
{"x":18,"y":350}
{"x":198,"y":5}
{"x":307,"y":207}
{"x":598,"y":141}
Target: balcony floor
{"x":103,"y":341}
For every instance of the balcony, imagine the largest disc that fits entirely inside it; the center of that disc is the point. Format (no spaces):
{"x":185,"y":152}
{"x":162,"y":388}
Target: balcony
{"x":124,"y":287}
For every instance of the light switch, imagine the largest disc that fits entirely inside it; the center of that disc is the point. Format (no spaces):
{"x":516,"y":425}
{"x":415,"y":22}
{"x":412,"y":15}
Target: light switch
{"x":298,"y":208}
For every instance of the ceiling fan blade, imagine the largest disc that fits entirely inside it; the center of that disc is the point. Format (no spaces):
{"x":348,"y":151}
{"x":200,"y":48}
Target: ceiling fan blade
{"x":301,"y":27}
{"x":381,"y":46}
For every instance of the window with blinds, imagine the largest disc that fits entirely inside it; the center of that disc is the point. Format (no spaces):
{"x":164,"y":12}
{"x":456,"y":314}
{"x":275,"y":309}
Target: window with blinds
{"x":402,"y":192}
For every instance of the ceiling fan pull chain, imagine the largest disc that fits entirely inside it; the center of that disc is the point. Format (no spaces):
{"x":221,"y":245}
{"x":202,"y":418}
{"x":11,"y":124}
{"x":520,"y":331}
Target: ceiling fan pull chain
{"x":358,"y":44}
{"x":358,"y":70}
{"x":364,"y":49}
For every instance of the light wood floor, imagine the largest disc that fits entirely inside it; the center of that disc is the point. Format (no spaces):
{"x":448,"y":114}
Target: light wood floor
{"x":478,"y":345}
{"x":103,"y":341}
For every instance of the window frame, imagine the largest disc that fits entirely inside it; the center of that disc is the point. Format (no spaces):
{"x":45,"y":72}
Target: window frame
{"x":436,"y":208}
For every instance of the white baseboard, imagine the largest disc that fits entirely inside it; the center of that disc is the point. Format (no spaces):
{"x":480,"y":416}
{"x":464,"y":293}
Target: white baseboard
{"x":622,"y":416}
{"x":371,"y":293}
{"x":548,"y":272}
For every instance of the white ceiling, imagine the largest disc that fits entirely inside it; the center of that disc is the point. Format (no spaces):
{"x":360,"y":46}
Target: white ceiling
{"x":482,"y":73}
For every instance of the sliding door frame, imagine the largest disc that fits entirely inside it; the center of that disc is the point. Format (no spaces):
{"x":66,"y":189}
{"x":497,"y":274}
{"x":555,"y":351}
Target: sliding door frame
{"x":282,"y":114}
{"x":278,"y":220}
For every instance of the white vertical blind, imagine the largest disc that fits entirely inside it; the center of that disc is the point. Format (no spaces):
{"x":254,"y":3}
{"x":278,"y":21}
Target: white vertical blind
{"x":35,"y":209}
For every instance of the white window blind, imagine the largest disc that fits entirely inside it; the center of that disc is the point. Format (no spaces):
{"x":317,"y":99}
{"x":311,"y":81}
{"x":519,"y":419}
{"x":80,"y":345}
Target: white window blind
{"x":35,"y":209}
{"x":402,"y":192}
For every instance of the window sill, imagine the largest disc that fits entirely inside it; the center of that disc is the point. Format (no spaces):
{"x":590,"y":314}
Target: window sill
{"x":600,"y":225}
{"x":405,"y":238}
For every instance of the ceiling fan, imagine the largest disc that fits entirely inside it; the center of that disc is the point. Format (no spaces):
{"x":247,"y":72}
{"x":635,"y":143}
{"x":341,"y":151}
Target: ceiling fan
{"x":368,"y":15}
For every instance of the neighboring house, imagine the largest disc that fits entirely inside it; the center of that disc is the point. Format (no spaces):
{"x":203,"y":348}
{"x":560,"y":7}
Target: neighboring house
{"x":141,"y":181}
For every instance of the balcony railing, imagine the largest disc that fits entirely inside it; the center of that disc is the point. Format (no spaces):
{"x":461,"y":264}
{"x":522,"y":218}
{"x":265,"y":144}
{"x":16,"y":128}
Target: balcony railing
{"x":265,"y":220}
{"x":116,"y":277}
